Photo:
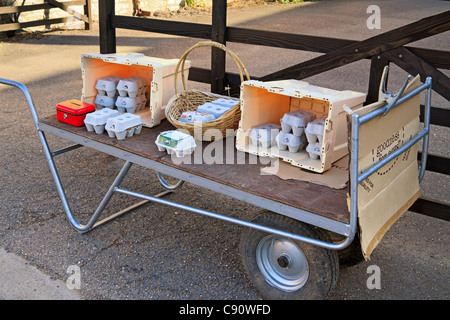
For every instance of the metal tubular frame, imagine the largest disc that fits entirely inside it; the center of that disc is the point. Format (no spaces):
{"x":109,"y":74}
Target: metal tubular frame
{"x":355,"y":176}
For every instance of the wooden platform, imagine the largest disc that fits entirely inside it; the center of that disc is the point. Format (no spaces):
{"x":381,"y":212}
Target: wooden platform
{"x":243,"y":175}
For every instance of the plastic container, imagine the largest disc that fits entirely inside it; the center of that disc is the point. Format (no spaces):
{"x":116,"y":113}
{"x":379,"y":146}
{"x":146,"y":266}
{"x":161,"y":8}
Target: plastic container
{"x":132,"y":87}
{"x":124,"y":125}
{"x":296,"y":121}
{"x":268,"y":102}
{"x":159,"y":75}
{"x":215,"y":109}
{"x":264,"y":135}
{"x":196,"y":117}
{"x":175,"y":142}
{"x":290,"y":141}
{"x":107,"y":86}
{"x":105,"y":101}
{"x":226,"y":103}
{"x":95,"y":121}
{"x":315,"y":130}
{"x":73,"y":112}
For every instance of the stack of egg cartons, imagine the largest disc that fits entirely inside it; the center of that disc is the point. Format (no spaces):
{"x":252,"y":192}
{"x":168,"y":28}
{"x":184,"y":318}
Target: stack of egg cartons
{"x":292,"y":134}
{"x":314,"y":135}
{"x":107,"y":92}
{"x":208,"y":111}
{"x":131,"y":94}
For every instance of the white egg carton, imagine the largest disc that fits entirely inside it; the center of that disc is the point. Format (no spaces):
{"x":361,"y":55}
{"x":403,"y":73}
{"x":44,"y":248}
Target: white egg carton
{"x":264,"y":135}
{"x":124,"y":125}
{"x":290,"y":141}
{"x":96,"y":121}
{"x":230,"y":103}
{"x":215,"y":109}
{"x":296,"y":121}
{"x":132,"y":87}
{"x":102,"y":101}
{"x":315,"y":129}
{"x":175,"y":142}
{"x":196,"y":117}
{"x":107,"y":86}
{"x":130,"y":104}
{"x":314,"y":150}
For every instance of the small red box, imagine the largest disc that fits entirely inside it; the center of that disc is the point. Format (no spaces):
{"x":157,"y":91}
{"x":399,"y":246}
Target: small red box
{"x":73,"y":112}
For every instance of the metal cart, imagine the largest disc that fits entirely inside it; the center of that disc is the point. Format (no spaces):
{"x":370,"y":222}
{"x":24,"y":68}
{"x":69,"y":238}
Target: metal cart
{"x":278,"y":246}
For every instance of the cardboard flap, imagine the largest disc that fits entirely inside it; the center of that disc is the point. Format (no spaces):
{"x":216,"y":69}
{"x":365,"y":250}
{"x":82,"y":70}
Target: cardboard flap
{"x":386,"y":194}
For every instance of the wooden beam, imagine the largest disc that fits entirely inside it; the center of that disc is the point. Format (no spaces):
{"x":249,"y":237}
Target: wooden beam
{"x":69,"y":10}
{"x":194,"y":30}
{"x":22,"y":25}
{"x":437,"y":58}
{"x":367,"y":48}
{"x":34,"y":7}
{"x":414,"y":65}
{"x":431,"y":208}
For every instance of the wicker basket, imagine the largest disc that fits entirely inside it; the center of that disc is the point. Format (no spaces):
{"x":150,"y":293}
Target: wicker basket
{"x":190,"y":100}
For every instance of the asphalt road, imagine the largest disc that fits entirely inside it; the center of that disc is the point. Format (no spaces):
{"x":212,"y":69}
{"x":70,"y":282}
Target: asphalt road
{"x":159,"y":252}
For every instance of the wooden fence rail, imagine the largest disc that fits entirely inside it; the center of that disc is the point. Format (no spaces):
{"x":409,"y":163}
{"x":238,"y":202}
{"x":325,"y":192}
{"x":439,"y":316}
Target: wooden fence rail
{"x":383,"y":49}
{"x":49,"y":4}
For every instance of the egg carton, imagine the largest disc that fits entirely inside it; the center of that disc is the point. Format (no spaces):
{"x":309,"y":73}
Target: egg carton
{"x":132,"y":87}
{"x":96,"y":121}
{"x":290,"y":141}
{"x":315,"y":129}
{"x":102,"y":101}
{"x":175,"y":142}
{"x":296,"y":121}
{"x":230,"y":103}
{"x":107,"y":86}
{"x":196,"y":117}
{"x":130,"y":104}
{"x":264,"y":135}
{"x":314,"y":150}
{"x":215,"y":109}
{"x":123,"y":126}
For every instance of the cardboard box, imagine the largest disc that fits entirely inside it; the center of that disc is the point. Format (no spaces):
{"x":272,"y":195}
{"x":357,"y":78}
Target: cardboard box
{"x":268,"y":102}
{"x":159,"y":74}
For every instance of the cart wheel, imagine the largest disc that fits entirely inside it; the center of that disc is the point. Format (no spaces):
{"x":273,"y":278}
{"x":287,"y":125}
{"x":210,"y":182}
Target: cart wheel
{"x":352,"y":255}
{"x":282,"y":268}
{"x":168,"y":186}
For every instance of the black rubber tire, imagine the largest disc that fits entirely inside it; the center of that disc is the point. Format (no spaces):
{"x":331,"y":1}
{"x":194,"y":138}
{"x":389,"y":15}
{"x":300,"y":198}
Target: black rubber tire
{"x":352,"y":255}
{"x":323,"y":263}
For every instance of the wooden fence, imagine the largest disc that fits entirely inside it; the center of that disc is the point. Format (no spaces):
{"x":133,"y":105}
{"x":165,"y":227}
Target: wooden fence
{"x":15,"y":12}
{"x":383,"y":49}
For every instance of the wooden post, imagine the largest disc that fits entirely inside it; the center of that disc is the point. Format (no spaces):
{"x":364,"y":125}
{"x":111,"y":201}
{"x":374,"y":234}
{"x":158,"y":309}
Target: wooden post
{"x":106,"y":9}
{"x":376,"y":72}
{"x":88,"y":14}
{"x":218,"y":34}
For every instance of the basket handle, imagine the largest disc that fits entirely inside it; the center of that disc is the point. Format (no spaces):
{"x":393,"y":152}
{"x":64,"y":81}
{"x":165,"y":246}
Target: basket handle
{"x":182,"y":60}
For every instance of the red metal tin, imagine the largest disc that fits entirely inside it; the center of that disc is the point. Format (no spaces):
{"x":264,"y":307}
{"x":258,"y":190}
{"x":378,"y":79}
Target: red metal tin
{"x":73,"y":112}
